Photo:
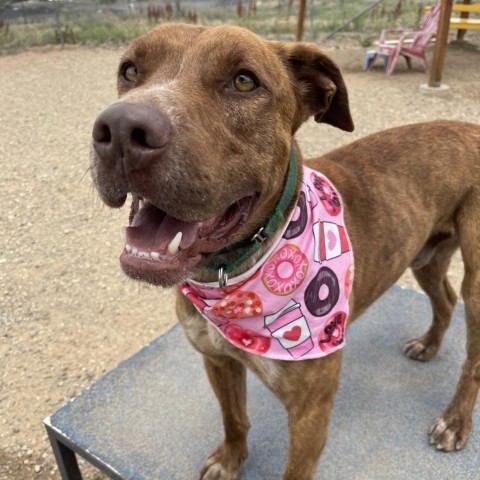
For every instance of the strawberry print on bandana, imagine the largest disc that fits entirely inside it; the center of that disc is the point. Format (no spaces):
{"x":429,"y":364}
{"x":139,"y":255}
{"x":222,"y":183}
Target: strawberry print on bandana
{"x":293,"y":304}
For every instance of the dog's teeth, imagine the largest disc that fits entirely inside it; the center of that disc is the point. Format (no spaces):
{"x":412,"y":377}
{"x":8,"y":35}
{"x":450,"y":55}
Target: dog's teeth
{"x":155,"y":255}
{"x":143,"y":254}
{"x":128,"y":247}
{"x":135,"y":251}
{"x":175,"y":243}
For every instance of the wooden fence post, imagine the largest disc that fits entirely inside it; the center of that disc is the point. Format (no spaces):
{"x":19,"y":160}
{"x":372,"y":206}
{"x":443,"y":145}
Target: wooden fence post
{"x":441,"y":44}
{"x":301,"y":20}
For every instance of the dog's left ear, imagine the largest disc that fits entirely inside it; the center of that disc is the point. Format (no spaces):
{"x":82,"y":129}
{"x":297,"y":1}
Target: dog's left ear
{"x":321,"y":90}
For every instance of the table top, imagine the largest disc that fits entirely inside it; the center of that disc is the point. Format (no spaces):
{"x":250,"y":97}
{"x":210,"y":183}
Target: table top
{"x":155,"y":417}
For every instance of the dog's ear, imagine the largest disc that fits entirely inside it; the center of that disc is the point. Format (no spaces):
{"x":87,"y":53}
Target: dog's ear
{"x":321,"y":90}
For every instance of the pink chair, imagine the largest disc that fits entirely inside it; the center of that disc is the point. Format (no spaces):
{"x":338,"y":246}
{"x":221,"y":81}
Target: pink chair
{"x":410,"y":43}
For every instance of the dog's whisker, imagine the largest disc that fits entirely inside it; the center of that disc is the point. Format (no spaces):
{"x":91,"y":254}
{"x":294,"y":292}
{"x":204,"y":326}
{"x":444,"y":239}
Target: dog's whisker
{"x":88,"y":170}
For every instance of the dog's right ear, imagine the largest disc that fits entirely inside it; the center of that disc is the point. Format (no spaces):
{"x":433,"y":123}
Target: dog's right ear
{"x":319,"y":86}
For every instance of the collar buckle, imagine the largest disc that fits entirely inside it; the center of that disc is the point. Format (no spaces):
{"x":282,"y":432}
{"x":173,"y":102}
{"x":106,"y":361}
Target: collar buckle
{"x":259,"y":236}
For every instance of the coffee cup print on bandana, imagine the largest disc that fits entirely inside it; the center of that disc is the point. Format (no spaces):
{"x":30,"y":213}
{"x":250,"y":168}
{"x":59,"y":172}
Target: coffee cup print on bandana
{"x":330,"y":241}
{"x":290,"y":328}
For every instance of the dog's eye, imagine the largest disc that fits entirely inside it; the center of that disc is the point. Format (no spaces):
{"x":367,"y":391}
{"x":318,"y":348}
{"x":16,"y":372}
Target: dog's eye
{"x":130,"y":73}
{"x":244,"y":82}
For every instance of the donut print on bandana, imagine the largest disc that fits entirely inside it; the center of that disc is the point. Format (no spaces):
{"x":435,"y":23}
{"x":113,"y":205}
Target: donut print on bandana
{"x":297,"y":227}
{"x":293,"y":304}
{"x":333,"y":333}
{"x":327,"y":194}
{"x":322,"y":292}
{"x":285,"y":270}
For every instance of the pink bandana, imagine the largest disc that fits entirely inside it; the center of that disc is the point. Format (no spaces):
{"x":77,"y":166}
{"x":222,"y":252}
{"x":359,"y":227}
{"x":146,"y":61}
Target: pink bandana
{"x":293,"y":304}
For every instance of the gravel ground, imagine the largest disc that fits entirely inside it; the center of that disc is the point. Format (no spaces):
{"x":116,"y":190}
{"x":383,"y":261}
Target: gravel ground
{"x":67,"y":314}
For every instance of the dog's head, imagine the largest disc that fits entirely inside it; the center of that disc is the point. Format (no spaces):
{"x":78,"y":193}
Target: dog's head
{"x":201,"y":137}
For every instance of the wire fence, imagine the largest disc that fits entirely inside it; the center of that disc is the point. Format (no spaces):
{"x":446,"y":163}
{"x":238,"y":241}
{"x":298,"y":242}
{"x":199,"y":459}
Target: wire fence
{"x":31,"y":23}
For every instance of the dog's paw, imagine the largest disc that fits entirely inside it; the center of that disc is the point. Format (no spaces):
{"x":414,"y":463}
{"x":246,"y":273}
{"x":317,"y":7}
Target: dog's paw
{"x":420,"y":349}
{"x":216,"y":471}
{"x":224,"y":463}
{"x":450,"y":432}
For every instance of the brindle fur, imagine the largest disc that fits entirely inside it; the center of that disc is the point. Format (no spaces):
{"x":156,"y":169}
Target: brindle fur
{"x":411,"y":198}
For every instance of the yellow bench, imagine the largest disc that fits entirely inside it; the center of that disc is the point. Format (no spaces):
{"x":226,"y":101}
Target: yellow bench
{"x":464,"y":22}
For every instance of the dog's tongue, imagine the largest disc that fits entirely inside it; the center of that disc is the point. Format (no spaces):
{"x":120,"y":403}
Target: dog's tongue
{"x":157,"y":241}
{"x":153,"y":231}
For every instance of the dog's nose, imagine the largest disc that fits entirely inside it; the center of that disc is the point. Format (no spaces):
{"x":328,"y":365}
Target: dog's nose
{"x":136,"y":134}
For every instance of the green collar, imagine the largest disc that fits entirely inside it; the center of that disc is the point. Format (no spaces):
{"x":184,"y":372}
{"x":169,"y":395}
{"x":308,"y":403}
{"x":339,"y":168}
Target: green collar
{"x":252,"y":245}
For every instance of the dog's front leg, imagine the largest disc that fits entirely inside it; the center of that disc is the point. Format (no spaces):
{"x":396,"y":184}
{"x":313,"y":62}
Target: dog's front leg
{"x":309,"y":405}
{"x":228,"y":379}
{"x":451,"y":430}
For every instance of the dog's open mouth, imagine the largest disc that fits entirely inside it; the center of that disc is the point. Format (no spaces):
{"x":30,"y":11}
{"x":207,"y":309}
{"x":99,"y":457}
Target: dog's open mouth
{"x":156,"y":241}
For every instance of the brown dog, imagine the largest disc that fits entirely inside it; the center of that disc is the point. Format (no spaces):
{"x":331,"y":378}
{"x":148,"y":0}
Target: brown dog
{"x":201,"y":137}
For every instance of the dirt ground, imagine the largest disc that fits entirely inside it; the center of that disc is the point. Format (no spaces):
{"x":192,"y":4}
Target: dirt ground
{"x":67,"y":313}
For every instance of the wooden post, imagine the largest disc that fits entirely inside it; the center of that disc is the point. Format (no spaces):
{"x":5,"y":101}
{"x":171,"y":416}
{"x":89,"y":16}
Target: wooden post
{"x":461,"y":33}
{"x":312,"y":21}
{"x":301,"y":20}
{"x":441,"y":44}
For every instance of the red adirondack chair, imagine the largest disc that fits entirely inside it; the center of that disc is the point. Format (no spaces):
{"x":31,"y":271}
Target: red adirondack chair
{"x":410,"y":43}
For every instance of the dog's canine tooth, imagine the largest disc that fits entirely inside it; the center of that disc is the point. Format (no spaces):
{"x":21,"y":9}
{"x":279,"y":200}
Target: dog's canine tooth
{"x":175,"y":243}
{"x":128,"y":247}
